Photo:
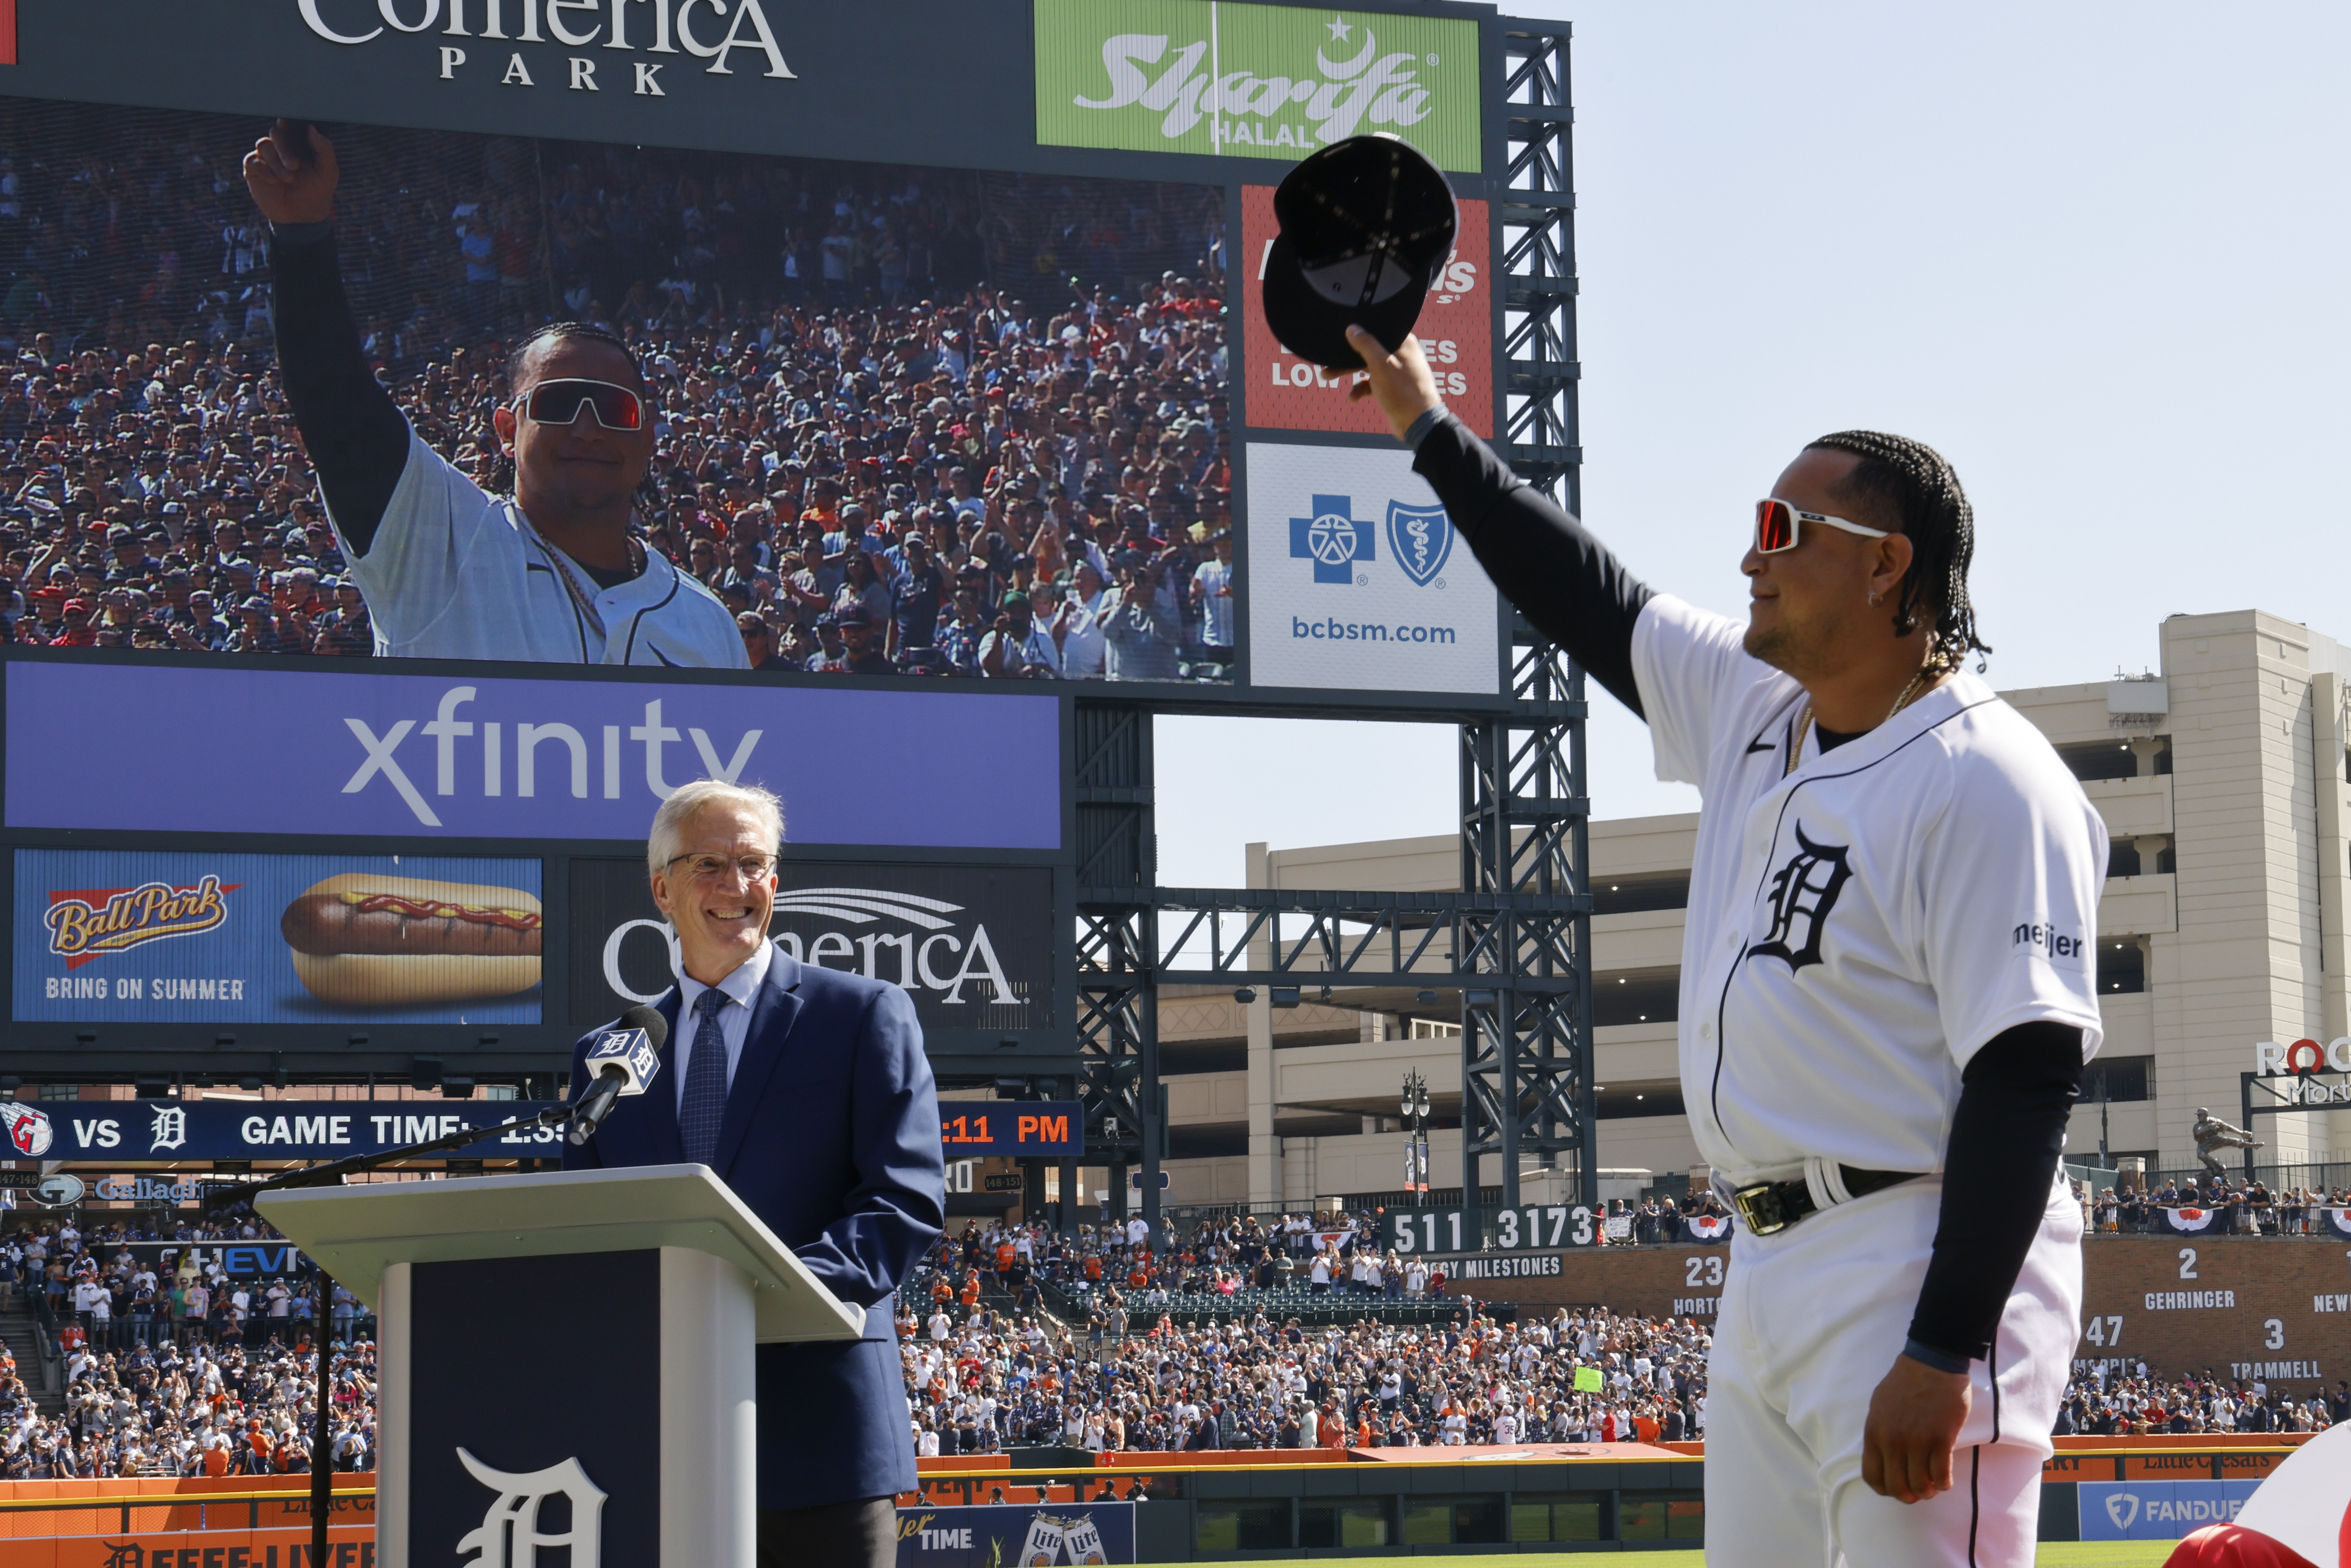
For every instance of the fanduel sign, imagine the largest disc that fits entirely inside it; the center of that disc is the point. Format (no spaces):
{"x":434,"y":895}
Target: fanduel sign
{"x":1263,"y":81}
{"x":177,"y":749}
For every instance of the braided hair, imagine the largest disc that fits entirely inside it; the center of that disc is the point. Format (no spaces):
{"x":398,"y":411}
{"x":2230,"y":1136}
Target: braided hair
{"x":1923,"y":499}
{"x":565,"y":332}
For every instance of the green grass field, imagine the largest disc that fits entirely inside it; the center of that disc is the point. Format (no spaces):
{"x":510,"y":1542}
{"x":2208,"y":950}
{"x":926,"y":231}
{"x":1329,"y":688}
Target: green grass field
{"x":2124,"y":1554}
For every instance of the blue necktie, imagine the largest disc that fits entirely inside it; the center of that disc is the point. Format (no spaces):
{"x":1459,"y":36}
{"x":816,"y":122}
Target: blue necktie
{"x":705,"y":1104}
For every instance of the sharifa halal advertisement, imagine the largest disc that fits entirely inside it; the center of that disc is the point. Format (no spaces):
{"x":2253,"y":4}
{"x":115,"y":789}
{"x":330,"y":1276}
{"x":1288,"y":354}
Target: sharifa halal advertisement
{"x":134,"y":937}
{"x":972,"y":945}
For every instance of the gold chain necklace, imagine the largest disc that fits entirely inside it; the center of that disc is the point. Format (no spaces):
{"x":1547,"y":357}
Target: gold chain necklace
{"x":1911,"y":693}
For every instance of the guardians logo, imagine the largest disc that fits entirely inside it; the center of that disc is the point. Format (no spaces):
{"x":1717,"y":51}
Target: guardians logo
{"x":87,"y":923}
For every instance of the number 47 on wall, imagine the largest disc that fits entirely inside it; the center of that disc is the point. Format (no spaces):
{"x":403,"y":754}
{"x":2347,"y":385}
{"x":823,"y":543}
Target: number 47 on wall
{"x":2106,"y":1331}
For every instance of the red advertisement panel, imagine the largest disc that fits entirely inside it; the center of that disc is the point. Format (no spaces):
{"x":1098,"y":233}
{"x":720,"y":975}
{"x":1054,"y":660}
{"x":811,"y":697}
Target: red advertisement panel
{"x":1456,"y":328}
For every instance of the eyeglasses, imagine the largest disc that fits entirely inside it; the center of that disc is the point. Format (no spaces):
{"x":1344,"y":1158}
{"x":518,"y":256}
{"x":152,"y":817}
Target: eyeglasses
{"x":1779,"y":526}
{"x":559,"y":402}
{"x":713,"y":868}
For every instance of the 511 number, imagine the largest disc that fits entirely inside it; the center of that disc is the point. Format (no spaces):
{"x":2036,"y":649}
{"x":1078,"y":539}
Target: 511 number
{"x":1515,"y":1229}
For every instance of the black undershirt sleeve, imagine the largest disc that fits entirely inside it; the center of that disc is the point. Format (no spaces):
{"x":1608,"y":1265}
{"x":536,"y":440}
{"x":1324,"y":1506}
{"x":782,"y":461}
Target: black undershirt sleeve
{"x":355,"y":434}
{"x":1562,"y":579}
{"x":2007,"y":1137}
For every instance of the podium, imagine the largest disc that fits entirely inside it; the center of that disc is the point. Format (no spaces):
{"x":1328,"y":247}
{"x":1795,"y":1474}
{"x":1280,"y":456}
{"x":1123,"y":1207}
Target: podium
{"x":565,"y":1359}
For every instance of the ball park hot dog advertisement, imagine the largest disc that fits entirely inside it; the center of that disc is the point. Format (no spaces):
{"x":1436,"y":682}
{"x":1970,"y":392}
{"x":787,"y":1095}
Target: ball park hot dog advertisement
{"x":140,"y":938}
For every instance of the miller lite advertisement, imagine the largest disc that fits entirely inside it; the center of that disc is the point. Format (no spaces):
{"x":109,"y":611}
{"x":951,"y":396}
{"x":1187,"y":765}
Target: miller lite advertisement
{"x":139,"y":937}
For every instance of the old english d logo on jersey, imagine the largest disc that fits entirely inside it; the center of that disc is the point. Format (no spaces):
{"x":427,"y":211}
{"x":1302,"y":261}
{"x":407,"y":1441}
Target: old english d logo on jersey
{"x":1803,"y":893}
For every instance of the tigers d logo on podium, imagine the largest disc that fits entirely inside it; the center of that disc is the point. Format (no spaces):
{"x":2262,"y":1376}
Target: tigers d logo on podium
{"x":511,"y":1534}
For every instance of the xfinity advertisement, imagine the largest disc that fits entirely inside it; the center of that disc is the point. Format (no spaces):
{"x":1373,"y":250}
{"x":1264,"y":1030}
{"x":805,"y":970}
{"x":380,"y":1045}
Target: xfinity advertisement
{"x":972,"y":945}
{"x":134,"y":936}
{"x":1357,"y":578}
{"x":495,"y":757}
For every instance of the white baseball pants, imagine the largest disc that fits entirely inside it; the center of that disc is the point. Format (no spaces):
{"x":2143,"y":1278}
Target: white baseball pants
{"x":1811,"y":1319}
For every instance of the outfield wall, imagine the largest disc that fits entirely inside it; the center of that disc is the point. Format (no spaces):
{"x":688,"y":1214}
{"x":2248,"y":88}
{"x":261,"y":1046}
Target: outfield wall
{"x":2267,"y":1307}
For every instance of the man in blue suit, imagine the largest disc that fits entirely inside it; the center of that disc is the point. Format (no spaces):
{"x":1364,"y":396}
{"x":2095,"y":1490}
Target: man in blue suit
{"x":807,"y":1090}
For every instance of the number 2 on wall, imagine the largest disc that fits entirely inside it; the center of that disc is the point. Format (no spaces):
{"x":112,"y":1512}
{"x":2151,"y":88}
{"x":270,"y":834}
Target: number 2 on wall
{"x":2188,"y":1263}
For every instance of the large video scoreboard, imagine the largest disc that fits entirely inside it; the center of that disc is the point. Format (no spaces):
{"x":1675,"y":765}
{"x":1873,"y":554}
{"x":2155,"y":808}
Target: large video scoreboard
{"x":988,"y":263}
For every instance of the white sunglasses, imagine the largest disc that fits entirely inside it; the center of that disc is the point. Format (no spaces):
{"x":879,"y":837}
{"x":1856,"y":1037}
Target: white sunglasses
{"x":1778,"y":525}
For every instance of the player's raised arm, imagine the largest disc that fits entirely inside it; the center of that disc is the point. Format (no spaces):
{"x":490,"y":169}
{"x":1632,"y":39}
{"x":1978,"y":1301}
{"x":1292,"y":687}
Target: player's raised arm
{"x":357,"y":437}
{"x":1545,"y":561}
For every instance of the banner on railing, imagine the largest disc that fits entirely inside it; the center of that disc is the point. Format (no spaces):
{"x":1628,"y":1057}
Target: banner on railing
{"x":1706,"y":1227}
{"x":2190,"y":1221}
{"x":2338,"y":1220}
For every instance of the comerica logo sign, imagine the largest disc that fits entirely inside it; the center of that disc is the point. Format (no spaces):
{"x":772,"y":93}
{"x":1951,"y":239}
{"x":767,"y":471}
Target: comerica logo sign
{"x":726,"y":32}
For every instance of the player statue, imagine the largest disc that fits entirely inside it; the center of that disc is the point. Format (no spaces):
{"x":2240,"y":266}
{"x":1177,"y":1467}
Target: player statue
{"x":2212,"y":1133}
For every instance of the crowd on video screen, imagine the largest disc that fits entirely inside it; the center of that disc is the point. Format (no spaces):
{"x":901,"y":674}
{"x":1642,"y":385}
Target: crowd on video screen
{"x":911,"y":421}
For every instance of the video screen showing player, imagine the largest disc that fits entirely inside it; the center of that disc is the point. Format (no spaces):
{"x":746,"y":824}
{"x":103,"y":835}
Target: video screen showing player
{"x":443,"y":395}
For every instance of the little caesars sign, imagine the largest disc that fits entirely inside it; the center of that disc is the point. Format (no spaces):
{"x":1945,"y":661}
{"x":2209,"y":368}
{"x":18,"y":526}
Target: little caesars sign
{"x":730,"y":33}
{"x":1262,"y":81}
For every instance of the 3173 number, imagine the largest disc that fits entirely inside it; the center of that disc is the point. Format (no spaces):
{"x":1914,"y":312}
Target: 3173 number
{"x":1536,"y":1226}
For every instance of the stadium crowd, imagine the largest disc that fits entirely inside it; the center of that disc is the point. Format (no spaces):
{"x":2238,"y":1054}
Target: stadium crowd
{"x":2120,"y":1397}
{"x":1127,"y":1363}
{"x":171,"y":1366}
{"x":984,"y":1380}
{"x":910,"y":421}
{"x":2248,"y":1207}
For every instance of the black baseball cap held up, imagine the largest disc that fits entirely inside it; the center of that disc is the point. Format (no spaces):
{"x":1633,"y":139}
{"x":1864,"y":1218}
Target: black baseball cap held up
{"x":1366,"y":225}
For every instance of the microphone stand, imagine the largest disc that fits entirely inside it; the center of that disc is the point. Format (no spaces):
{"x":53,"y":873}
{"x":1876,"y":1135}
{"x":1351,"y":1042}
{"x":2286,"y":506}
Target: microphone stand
{"x":322,"y":1460}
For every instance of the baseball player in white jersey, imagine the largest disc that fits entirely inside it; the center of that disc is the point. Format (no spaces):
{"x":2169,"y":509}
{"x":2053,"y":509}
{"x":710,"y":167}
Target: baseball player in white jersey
{"x":449,"y":571}
{"x":1888,"y":989}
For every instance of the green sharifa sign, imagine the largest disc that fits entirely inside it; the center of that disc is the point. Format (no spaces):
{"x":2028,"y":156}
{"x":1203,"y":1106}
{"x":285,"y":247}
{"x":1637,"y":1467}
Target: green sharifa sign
{"x":1261,"y":81}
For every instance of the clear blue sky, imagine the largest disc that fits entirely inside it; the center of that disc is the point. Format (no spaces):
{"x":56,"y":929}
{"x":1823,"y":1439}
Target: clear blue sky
{"x":2095,"y":253}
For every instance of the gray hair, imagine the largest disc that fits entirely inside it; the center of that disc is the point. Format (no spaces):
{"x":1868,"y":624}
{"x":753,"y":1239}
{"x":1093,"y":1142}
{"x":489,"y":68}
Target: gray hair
{"x":688,"y":802}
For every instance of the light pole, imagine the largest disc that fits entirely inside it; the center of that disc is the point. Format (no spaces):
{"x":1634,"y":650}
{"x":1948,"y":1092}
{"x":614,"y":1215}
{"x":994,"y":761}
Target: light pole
{"x":1415,"y":1154}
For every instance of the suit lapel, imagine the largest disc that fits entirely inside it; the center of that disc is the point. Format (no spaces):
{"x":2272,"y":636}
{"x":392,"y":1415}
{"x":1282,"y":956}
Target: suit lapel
{"x":660,"y":1095}
{"x":764,"y":1040}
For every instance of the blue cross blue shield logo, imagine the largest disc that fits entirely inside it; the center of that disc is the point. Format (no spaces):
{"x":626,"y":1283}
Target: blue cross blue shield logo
{"x":1421,"y":536}
{"x":1332,"y":539}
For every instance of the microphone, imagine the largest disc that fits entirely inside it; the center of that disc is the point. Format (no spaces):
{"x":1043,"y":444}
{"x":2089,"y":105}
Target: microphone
{"x":620,"y":1061}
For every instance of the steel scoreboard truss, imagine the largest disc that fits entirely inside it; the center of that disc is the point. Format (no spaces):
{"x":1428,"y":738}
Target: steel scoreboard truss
{"x":1515,"y":942}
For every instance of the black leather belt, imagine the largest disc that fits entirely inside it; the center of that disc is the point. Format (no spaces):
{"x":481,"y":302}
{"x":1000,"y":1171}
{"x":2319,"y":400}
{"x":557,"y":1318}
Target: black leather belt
{"x":1770,"y":1207}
